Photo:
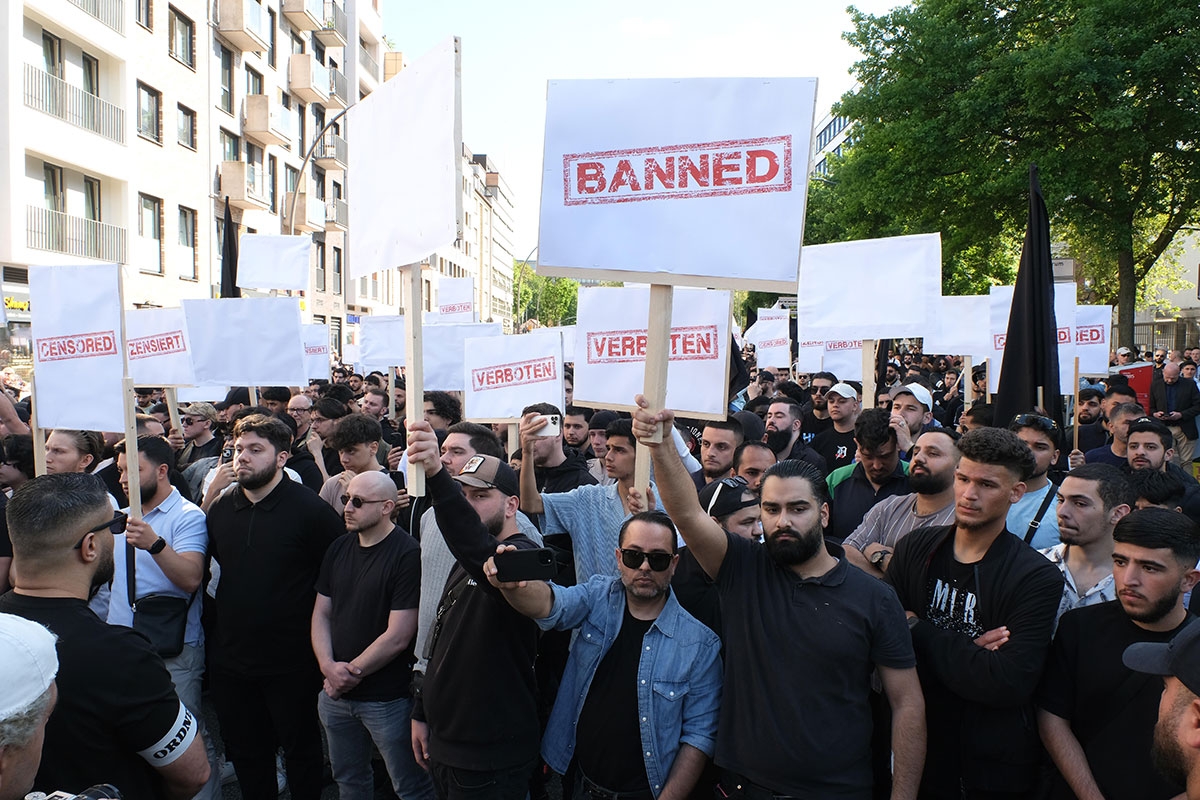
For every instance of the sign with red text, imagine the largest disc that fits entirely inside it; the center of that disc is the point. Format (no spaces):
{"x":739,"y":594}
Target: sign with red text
{"x":246,"y":341}
{"x":610,"y":349}
{"x":456,"y":300}
{"x":77,"y":358}
{"x":699,"y":181}
{"x":157,"y":344}
{"x":504,"y":374}
{"x":1064,"y":315}
{"x":844,"y":358}
{"x":1093,"y":345}
{"x":443,"y":348}
{"x":316,"y":350}
{"x":772,"y":339}
{"x":810,"y":354}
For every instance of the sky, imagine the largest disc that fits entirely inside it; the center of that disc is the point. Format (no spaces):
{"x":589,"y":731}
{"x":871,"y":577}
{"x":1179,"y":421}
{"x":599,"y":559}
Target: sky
{"x":510,"y":49}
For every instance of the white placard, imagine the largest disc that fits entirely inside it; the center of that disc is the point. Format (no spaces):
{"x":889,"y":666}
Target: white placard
{"x":870,"y":289}
{"x":382,"y":342}
{"x":610,"y":349}
{"x":442,"y":351}
{"x":1000,"y":305}
{"x":248,"y":341}
{"x":77,"y":359}
{"x":568,"y":342}
{"x":351,"y":354}
{"x":407,"y":162}
{"x":708,"y":173}
{"x":844,"y":358}
{"x":274,"y":262}
{"x":504,"y":374}
{"x":201,"y":394}
{"x":157,"y":343}
{"x":456,"y":300}
{"x":810,"y":355}
{"x":1093,"y":326}
{"x":764,"y":314}
{"x":316,"y":350}
{"x":772,"y":342}
{"x":960,"y":328}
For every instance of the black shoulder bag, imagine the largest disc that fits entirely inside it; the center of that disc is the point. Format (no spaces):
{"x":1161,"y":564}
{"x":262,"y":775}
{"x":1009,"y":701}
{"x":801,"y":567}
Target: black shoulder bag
{"x":161,"y":618}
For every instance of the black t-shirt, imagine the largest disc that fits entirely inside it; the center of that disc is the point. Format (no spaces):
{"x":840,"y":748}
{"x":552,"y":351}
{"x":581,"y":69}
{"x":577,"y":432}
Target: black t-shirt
{"x":115,"y":700}
{"x":953,"y":601}
{"x":811,"y":425}
{"x":697,"y":592}
{"x":1111,"y":708}
{"x":365,"y":584}
{"x":5,"y":541}
{"x":608,"y":739}
{"x":837,"y":449}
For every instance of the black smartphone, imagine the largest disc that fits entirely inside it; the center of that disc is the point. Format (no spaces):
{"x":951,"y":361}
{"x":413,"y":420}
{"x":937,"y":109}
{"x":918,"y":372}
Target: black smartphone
{"x":526,"y":565}
{"x":397,"y":478}
{"x":227,"y":455}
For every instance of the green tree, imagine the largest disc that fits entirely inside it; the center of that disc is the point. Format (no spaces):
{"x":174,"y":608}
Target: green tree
{"x":551,"y":301}
{"x":957,"y":97}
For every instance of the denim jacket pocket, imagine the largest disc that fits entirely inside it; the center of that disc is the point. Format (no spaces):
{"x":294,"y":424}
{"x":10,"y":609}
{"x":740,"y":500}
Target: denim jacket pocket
{"x":671,"y":690}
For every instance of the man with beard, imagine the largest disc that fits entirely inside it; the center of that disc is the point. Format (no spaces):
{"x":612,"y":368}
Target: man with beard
{"x":1091,"y":500}
{"x":1096,"y":716}
{"x":1033,"y":517}
{"x":1116,"y":423}
{"x":718,"y":441}
{"x":878,"y":474}
{"x":831,"y":624}
{"x":475,"y":722}
{"x":575,"y":429}
{"x":931,"y":479}
{"x":911,"y":413}
{"x":269,"y":535}
{"x":1089,"y":416}
{"x":836,"y":443}
{"x":816,"y":419}
{"x":1149,"y":447}
{"x":981,"y":608}
{"x":117,"y":710}
{"x":785,"y":433}
{"x":1176,"y":747}
{"x":632,"y":630}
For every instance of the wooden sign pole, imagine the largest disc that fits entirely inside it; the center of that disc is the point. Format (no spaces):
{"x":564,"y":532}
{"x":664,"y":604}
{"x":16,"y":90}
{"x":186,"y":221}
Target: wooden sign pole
{"x":391,"y":389}
{"x":132,"y":456}
{"x":253,"y":395}
{"x":172,"y":398}
{"x":514,"y":439}
{"x":39,"y":435}
{"x":969,"y":386}
{"x":658,"y":353}
{"x":868,"y":371}
{"x":414,"y":381}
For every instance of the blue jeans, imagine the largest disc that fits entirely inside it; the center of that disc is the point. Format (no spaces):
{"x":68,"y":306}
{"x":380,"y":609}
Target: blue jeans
{"x":351,"y":726}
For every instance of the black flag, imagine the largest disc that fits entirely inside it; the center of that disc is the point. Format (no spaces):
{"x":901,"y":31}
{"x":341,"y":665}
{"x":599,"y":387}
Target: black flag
{"x":1030,"y":367}
{"x":229,"y":256}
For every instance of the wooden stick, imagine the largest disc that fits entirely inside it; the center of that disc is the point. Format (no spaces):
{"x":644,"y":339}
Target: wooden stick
{"x":868,"y":370}
{"x":39,"y":435}
{"x":392,"y":394}
{"x":132,"y":457}
{"x":514,"y":439}
{"x":965,"y":375}
{"x":253,"y":396}
{"x":414,"y":369}
{"x":172,"y":399}
{"x":1075,"y":427}
{"x":658,"y":353}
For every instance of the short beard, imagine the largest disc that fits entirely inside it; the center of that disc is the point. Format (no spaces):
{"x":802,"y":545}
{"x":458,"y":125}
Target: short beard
{"x":789,"y":553}
{"x":105,"y":569}
{"x":971,"y":526}
{"x":257,"y":480}
{"x":1158,"y":611}
{"x":778,"y":441}
{"x":148,"y":491}
{"x":1167,"y":754}
{"x":929,"y":483}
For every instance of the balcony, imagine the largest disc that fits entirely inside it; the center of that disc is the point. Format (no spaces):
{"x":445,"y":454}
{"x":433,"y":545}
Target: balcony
{"x":244,"y":184}
{"x":368,"y":63}
{"x":310,"y":213}
{"x":339,"y":89}
{"x":337,"y":216}
{"x":268,"y":122}
{"x":304,"y":15}
{"x":109,"y":12}
{"x":243,"y":24}
{"x":73,"y":236}
{"x":54,"y":96}
{"x":330,"y":153}
{"x":308,"y":79}
{"x":335,"y":30}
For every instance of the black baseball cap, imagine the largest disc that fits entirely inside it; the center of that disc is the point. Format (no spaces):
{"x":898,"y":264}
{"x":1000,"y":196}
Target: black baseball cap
{"x":725,"y":496}
{"x":1179,"y":657}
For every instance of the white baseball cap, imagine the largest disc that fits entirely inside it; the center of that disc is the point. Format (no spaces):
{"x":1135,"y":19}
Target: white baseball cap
{"x":28,"y":663}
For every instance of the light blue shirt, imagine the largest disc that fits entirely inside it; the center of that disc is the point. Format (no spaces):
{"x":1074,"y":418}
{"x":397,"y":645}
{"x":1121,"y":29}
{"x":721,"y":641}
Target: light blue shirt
{"x":679,"y":675}
{"x":183,"y":525}
{"x":592,"y":516}
{"x":1025,"y":509}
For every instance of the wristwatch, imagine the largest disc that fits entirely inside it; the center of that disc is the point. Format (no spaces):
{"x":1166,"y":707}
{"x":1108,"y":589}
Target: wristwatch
{"x":878,"y":556}
{"x":157,"y":547}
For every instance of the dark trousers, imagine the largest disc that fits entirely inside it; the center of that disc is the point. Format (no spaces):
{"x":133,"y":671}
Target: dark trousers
{"x":455,"y":783}
{"x":258,"y":715}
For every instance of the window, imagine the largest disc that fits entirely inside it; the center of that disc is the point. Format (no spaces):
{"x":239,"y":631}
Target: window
{"x":374,"y":285}
{"x":318,"y":176}
{"x":52,"y":60}
{"x":186,"y":134}
{"x":319,"y":283}
{"x":150,"y":224}
{"x":272,"y":181}
{"x":302,"y":144}
{"x":52,"y":177}
{"x":318,"y":51}
{"x":226,"y":80}
{"x":297,"y":43}
{"x":254,"y":155}
{"x":144,"y":14}
{"x":91,"y":75}
{"x":231,"y":146}
{"x":91,"y":199}
{"x":183,"y":38}
{"x":187,"y":242}
{"x":254,"y":82}
{"x":149,"y":103}
{"x":291,"y":176}
{"x":271,"y":34}
{"x":335,"y":335}
{"x":337,"y":270}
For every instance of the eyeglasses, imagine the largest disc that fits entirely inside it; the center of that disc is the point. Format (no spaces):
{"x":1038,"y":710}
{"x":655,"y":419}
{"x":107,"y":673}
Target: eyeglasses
{"x":633,"y":559}
{"x":1044,"y":424}
{"x":185,"y":421}
{"x":358,"y":502}
{"x":820,"y":389}
{"x":116,"y":526}
{"x":738,"y":482}
{"x":299,"y":410}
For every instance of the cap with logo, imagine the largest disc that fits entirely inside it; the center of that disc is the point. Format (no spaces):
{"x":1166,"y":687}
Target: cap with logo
{"x":723,"y":497}
{"x":845,"y":390}
{"x":489,"y":472}
{"x":1179,"y":657}
{"x":916,"y":390}
{"x":28,"y":663}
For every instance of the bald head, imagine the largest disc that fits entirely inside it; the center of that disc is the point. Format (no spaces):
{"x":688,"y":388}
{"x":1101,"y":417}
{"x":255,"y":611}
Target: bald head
{"x":376,"y":485}
{"x":1170,"y":372}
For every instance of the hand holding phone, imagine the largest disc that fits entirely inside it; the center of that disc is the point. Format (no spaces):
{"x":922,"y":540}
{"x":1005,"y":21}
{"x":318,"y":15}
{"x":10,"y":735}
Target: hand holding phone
{"x":553,"y":425}
{"x":513,"y":566}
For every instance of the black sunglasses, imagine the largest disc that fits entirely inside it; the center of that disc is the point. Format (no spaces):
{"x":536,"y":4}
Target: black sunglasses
{"x":821,"y":389}
{"x":116,"y":526}
{"x":635,"y":558}
{"x":1044,"y":424}
{"x":358,"y":502}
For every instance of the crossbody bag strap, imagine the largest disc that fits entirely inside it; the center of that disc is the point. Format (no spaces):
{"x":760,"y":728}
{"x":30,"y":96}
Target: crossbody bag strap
{"x":130,"y":576}
{"x":448,"y":600}
{"x":1036,"y":522}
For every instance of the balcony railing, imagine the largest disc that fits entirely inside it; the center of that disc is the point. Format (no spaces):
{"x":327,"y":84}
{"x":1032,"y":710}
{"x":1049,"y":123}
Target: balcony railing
{"x":54,"y":96}
{"x":109,"y":12}
{"x":304,"y":15}
{"x":73,"y":236}
{"x":331,"y":152}
{"x":337,"y":215}
{"x":339,"y":88}
{"x":335,"y":30}
{"x":368,"y":62}
{"x":243,"y":23}
{"x":308,"y":79}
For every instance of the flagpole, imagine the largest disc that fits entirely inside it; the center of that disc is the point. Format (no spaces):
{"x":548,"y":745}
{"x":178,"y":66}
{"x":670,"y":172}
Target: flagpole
{"x":1075,"y":427}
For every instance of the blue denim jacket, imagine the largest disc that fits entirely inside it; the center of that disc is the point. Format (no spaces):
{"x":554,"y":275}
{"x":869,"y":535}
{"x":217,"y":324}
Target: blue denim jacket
{"x":679,"y":675}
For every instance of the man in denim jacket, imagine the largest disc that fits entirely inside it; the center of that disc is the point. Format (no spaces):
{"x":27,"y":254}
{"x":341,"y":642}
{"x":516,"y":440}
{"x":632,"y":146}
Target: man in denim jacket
{"x":639,"y":699}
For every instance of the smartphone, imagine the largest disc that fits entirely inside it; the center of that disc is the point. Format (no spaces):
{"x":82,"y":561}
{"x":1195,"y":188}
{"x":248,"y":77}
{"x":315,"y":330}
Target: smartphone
{"x":227,"y":455}
{"x":526,"y":565}
{"x":553,"y":425}
{"x":397,"y":478}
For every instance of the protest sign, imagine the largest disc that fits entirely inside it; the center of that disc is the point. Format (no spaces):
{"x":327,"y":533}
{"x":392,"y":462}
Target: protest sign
{"x":810,"y":355}
{"x":316,"y":350}
{"x":77,"y":358}
{"x":1000,"y":304}
{"x":961,"y":327}
{"x":1093,"y":326}
{"x":274,"y":262}
{"x":611,"y":344}
{"x":772,"y":340}
{"x":844,"y":358}
{"x":157,"y":344}
{"x":456,"y":300}
{"x":442,"y":352}
{"x":870,"y":289}
{"x":201,"y":394}
{"x":504,"y":374}
{"x":352,"y":354}
{"x":710,"y":173}
{"x":382,"y":342}
{"x":248,"y":341}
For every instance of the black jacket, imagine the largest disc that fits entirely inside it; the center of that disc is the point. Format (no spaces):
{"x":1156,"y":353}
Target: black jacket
{"x":802,"y":452}
{"x":997,"y":747}
{"x":1187,"y":403}
{"x":570,"y":474}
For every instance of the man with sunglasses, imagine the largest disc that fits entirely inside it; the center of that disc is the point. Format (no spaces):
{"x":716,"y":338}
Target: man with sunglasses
{"x":816,"y":419}
{"x":198,"y":421}
{"x":118,"y":719}
{"x":1033,"y":517}
{"x":637,"y":711}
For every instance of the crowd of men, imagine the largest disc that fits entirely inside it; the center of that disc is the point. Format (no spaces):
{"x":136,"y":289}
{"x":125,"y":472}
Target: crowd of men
{"x":813,"y":598}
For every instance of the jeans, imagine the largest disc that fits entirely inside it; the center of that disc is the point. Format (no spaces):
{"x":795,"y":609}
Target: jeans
{"x":454,"y":783}
{"x":187,"y":671}
{"x":351,"y":726}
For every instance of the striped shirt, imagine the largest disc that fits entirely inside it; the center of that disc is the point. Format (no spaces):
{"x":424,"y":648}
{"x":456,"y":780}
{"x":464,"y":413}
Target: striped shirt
{"x":894,"y":517}
{"x":1102,"y":592}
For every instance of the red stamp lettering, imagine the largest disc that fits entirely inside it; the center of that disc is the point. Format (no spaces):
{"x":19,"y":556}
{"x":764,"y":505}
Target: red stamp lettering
{"x":79,"y":345}
{"x":160,"y":344}
{"x":846,"y":344}
{"x":517,"y":373}
{"x":455,"y":308}
{"x":695,"y":343}
{"x":1090,"y":334}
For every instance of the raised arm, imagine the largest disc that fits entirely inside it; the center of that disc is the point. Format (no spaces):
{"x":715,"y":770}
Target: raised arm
{"x":531,"y":498}
{"x":534,"y":599}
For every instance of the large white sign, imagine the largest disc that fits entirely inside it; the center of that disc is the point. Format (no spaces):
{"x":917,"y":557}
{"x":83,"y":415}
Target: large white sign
{"x":610,"y":349}
{"x":316,"y":350}
{"x":870,"y":289}
{"x":442,"y":351}
{"x":504,"y":374}
{"x":771,"y":338}
{"x":274,"y":262}
{"x":201,"y":394}
{"x":810,"y":354}
{"x":456,"y":300}
{"x":961,"y":327}
{"x":1064,"y":317}
{"x":157,"y":343}
{"x":77,"y":359}
{"x":1093,"y":326}
{"x":383,"y":342}
{"x":248,"y":341}
{"x":698,"y":181}
{"x":844,"y":358}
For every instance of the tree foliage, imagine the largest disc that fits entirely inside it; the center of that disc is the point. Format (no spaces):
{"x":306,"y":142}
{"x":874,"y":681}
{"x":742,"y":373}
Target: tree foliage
{"x":957,"y":97}
{"x":550,"y":301}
